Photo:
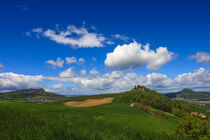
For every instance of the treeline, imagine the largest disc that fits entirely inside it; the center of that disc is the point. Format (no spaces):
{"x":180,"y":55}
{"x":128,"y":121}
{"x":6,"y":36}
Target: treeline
{"x":141,"y":94}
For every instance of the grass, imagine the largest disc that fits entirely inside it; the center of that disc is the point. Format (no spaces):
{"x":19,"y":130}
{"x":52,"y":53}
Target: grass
{"x":122,"y":113}
{"x":106,"y":122}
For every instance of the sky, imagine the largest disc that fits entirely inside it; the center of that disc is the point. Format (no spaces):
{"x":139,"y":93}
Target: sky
{"x":76,"y":47}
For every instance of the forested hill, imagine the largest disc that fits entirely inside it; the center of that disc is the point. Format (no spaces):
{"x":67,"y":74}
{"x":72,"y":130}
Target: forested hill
{"x":142,"y":95}
{"x":29,"y":94}
{"x":189,"y":94}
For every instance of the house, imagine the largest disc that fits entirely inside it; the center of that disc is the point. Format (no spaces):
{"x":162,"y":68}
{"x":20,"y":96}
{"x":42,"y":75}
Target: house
{"x":132,"y":104}
{"x":201,"y":115}
{"x":194,"y":113}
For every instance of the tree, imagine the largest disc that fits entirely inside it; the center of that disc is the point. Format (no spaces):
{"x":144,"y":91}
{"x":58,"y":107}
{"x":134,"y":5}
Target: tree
{"x":193,"y":127}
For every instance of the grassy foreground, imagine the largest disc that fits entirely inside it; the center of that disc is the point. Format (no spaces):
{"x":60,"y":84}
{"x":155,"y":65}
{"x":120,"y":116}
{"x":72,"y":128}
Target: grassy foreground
{"x":115,"y":121}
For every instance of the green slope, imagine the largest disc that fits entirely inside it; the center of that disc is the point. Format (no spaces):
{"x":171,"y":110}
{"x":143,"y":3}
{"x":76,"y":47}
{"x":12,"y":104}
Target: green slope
{"x":189,"y":94}
{"x":106,"y":122}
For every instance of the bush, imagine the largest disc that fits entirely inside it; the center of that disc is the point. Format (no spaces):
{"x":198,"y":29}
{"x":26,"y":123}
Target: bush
{"x":159,"y":114}
{"x":146,"y":108}
{"x":193,"y":127}
{"x":179,"y":112}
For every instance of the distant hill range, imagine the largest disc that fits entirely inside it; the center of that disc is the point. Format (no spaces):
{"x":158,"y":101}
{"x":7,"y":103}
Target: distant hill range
{"x":188,"y":94}
{"x":32,"y":94}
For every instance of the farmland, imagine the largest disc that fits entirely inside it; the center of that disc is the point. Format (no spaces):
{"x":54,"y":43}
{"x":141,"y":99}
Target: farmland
{"x":110,"y":121}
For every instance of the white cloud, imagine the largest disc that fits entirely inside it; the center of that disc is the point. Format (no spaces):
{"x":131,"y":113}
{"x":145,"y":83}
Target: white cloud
{"x":199,"y":78}
{"x":94,"y":72}
{"x":134,"y":55}
{"x":116,"y":81}
{"x":1,"y":66}
{"x":83,"y":72}
{"x":102,"y":82}
{"x":81,"y":60}
{"x":121,"y":37}
{"x":110,"y":42}
{"x":22,"y":7}
{"x":70,"y":60}
{"x":91,"y":84}
{"x":94,"y":59}
{"x":27,"y":33}
{"x":201,"y":57}
{"x":37,"y":30}
{"x":157,"y":80}
{"x":58,"y":63}
{"x":77,"y":37}
{"x":63,"y":90}
{"x":12,"y":81}
{"x":68,"y":73}
{"x":57,"y":86}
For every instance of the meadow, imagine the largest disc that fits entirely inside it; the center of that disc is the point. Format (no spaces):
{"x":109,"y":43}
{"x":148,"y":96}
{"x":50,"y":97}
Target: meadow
{"x":114,"y":121}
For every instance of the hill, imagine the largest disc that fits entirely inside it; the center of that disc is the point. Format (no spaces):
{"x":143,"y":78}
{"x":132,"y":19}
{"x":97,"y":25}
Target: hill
{"x":29,"y":94}
{"x":116,"y":120}
{"x":188,"y":94}
{"x":143,"y":95}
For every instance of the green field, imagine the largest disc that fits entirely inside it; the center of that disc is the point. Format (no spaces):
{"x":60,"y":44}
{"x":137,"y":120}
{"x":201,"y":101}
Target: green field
{"x":154,"y":117}
{"x":105,"y":122}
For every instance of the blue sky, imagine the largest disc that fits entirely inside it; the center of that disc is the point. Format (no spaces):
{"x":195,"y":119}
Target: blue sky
{"x":32,"y":40}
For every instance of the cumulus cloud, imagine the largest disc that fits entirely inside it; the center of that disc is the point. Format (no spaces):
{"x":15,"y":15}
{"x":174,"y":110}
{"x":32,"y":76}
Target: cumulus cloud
{"x":65,"y":90}
{"x":110,"y":42}
{"x":70,"y":60}
{"x":134,"y":55}
{"x":94,"y":72}
{"x":58,"y":63}
{"x":94,"y":59}
{"x":57,"y":86}
{"x":117,"y":81}
{"x":120,"y":37}
{"x":81,"y":60}
{"x":201,"y":57}
{"x":37,"y":30}
{"x":68,"y":73}
{"x":76,"y":37}
{"x":102,"y":82}
{"x":1,"y":66}
{"x":13,"y":81}
{"x":197,"y":78}
{"x":157,"y":80}
{"x":113,"y":82}
{"x":83,"y":72}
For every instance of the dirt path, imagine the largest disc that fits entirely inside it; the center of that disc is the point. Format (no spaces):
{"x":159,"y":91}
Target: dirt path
{"x":89,"y":102}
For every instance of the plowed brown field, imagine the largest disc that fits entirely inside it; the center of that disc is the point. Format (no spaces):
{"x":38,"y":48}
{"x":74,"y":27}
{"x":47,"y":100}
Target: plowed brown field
{"x":89,"y":102}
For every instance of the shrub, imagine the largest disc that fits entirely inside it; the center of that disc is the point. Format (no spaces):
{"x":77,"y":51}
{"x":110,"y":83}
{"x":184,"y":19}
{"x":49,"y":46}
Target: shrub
{"x":146,"y":108}
{"x":193,"y":127}
{"x":159,"y":114}
{"x":179,"y":112}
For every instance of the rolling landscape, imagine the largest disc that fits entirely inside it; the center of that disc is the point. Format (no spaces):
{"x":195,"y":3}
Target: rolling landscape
{"x":104,"y":70}
{"x":153,"y":116}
